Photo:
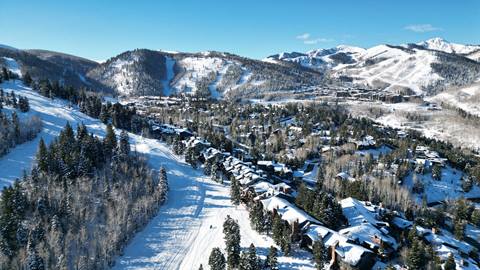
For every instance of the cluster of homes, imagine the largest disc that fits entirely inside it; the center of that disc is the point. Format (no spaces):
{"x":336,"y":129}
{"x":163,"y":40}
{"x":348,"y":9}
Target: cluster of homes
{"x":365,"y":241}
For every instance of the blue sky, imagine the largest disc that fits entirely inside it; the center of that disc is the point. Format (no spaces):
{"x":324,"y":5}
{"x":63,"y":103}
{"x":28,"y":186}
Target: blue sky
{"x":254,"y":28}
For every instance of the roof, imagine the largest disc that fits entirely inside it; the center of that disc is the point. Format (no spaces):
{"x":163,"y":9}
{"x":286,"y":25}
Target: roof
{"x":365,"y":233}
{"x":288,"y":211}
{"x":350,"y":253}
{"x":358,"y":212}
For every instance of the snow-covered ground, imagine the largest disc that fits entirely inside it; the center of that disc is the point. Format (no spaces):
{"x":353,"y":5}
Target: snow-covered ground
{"x":12,"y":65}
{"x":443,"y":124}
{"x":169,"y":64}
{"x":179,"y":237}
{"x":449,"y":187}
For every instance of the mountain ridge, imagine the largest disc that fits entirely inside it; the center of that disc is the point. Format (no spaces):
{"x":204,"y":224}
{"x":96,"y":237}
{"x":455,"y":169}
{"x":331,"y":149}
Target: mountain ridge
{"x":421,"y":68}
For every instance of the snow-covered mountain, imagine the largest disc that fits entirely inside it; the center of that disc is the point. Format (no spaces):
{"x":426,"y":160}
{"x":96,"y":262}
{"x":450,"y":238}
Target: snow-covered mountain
{"x":441,"y":44}
{"x":147,"y":72}
{"x":321,"y":59}
{"x":424,"y":68}
{"x":427,"y":68}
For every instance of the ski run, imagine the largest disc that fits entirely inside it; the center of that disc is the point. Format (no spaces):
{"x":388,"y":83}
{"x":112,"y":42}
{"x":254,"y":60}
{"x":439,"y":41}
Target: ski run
{"x":187,"y":226}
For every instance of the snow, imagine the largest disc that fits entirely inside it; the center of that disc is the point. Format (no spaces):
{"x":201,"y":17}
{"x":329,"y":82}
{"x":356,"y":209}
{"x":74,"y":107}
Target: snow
{"x":396,"y":67}
{"x":441,"y":44}
{"x":449,"y":186}
{"x":169,"y":64}
{"x":349,"y":252}
{"x":179,"y":237}
{"x":376,"y":152}
{"x":12,"y":65}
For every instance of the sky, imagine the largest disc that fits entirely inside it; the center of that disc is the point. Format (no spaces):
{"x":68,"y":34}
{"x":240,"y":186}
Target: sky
{"x":99,"y":30}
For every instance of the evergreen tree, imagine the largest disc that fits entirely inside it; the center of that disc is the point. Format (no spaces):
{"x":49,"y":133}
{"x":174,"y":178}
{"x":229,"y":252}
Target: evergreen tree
{"x":42,"y":156}
{"x":27,"y":79}
{"x":320,"y":254}
{"x":110,"y":140}
{"x":450,"y":263}
{"x":234,"y":191}
{"x":216,"y":261}
{"x":124,"y":145}
{"x":249,"y":259}
{"x":286,"y":241}
{"x":459,"y":229}
{"x":232,"y":242}
{"x":416,"y":256}
{"x":34,"y":261}
{"x":256,"y":216}
{"x":201,"y":267}
{"x":5,"y":74}
{"x":277,"y":229}
{"x":271,"y":261}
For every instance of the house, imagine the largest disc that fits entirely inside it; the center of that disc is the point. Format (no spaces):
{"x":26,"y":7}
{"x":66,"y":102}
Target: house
{"x":340,"y":247}
{"x":366,"y":226}
{"x":288,"y":211}
{"x":344,"y":176}
{"x":366,"y":143}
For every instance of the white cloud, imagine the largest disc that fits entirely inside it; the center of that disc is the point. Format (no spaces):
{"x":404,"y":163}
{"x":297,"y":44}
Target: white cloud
{"x":303,"y":36}
{"x":317,"y":40}
{"x":422,"y":28}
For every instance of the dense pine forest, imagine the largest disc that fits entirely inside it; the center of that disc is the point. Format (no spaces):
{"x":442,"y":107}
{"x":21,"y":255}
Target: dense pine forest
{"x":79,"y":205}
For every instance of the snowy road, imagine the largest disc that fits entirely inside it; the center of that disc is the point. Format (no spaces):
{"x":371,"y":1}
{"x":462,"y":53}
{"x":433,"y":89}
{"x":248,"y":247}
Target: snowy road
{"x":186,"y":228}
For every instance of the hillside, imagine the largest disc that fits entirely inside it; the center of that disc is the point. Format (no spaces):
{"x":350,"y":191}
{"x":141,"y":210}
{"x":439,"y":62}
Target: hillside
{"x":425,"y":68}
{"x":147,"y":72}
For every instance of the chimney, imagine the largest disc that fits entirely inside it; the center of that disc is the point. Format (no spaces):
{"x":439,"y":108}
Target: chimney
{"x":333,"y":252}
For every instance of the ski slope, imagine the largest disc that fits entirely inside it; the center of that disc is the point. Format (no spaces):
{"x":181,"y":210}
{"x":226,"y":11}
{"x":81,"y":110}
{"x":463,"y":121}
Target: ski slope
{"x":187,"y":226}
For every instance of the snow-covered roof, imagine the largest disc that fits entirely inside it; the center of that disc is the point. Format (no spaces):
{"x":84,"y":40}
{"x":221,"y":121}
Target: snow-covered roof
{"x":350,"y":253}
{"x":358,"y":212}
{"x":288,"y":211}
{"x":366,"y":232}
{"x":444,"y":237}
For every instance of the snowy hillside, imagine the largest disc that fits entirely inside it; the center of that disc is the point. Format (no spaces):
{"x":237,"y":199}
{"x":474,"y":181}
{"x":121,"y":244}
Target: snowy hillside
{"x":179,"y":237}
{"x":321,"y":59}
{"x":441,"y":44}
{"x":412,"y":69}
{"x":394,"y":69}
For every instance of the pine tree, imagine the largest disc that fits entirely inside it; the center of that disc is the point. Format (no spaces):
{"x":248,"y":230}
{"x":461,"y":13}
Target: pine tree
{"x":320,"y":255}
{"x":256,"y":216}
{"x":27,"y":79}
{"x":104,"y":114}
{"x":5,"y":74}
{"x":277,"y":229}
{"x":34,"y":261}
{"x":124,"y":145}
{"x":200,"y":267}
{"x":234,"y":191}
{"x":271,"y":262}
{"x":232,"y":241}
{"x":450,"y":263}
{"x":216,"y":261}
{"x":459,"y":229}
{"x":249,"y":259}
{"x":42,"y":156}
{"x":110,"y":140}
{"x":286,"y":241}
{"x":416,"y":256}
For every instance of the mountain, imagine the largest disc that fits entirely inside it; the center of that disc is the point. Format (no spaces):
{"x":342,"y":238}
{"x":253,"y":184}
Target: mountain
{"x":422,"y":69}
{"x":41,"y":64}
{"x":441,"y":44}
{"x":147,"y":72}
{"x":321,"y":59}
